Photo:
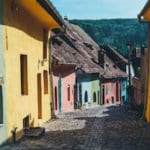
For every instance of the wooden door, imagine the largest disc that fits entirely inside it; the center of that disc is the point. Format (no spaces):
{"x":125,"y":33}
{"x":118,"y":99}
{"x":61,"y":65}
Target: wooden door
{"x":59,"y":94}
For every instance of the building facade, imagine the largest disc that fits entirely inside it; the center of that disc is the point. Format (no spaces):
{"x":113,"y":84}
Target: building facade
{"x":64,"y":80}
{"x":24,"y":65}
{"x":88,"y":89}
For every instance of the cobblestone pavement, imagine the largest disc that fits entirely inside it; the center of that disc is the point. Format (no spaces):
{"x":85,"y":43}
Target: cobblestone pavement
{"x":99,"y":128}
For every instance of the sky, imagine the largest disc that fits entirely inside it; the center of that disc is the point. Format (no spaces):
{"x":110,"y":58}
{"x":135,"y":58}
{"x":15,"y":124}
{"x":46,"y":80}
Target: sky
{"x":99,"y":9}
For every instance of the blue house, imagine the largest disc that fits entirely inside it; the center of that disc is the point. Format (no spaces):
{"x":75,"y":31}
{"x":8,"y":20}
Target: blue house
{"x":88,"y":86}
{"x":79,"y":49}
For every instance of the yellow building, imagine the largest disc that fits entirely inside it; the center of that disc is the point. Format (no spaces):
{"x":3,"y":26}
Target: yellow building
{"x":144,"y":16}
{"x":25,"y":91}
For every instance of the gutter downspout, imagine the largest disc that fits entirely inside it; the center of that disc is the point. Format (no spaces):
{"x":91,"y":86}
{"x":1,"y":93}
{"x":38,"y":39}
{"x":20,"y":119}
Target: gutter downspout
{"x":146,"y":102}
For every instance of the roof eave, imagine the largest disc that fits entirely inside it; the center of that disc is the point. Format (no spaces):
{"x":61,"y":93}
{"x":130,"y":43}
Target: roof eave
{"x":48,"y":6}
{"x":141,"y":14}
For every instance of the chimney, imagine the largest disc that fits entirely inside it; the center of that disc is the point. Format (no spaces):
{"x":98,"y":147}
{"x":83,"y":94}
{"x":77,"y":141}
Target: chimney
{"x":101,"y":57}
{"x":66,"y":20}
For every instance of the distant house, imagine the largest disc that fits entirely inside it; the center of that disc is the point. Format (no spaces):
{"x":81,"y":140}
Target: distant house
{"x":89,"y":70}
{"x":64,"y":79}
{"x":24,"y":65}
{"x":116,"y":69}
{"x":88,"y":88}
{"x":145,"y":16}
{"x":75,"y":47}
{"x":98,"y":79}
{"x":139,"y":83}
{"x":112,"y":83}
{"x":64,"y":75}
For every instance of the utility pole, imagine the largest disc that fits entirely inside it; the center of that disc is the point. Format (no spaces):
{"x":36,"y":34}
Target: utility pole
{"x":129,"y":62}
{"x":129,"y":76}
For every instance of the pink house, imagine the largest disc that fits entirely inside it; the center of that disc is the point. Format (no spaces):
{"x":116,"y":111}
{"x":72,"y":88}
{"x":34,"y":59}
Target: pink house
{"x":111,"y":79}
{"x":111,"y":92}
{"x":63,"y":87}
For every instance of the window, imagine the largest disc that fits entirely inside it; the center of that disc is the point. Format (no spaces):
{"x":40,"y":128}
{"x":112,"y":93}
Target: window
{"x":68,"y":90}
{"x":94,"y":97}
{"x":24,"y":74}
{"x":1,"y":105}
{"x":45,"y":41}
{"x":45,"y":78}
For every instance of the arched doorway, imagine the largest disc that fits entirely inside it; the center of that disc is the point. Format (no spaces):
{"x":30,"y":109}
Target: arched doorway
{"x":94,"y":97}
{"x":86,"y":97}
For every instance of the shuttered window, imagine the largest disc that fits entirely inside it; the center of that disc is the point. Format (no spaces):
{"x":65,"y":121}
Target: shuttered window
{"x":45,"y":77}
{"x":24,"y":74}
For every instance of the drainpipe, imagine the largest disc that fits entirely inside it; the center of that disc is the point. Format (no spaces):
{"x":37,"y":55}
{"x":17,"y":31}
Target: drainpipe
{"x":13,"y":131}
{"x":129,"y":76}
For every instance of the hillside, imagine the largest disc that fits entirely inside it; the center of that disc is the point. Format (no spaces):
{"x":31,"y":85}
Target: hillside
{"x":115,"y":32}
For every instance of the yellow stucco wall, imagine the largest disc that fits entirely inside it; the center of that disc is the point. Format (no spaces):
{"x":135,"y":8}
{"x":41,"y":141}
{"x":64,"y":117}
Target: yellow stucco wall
{"x":147,"y":112}
{"x":23,"y":34}
{"x":146,"y":16}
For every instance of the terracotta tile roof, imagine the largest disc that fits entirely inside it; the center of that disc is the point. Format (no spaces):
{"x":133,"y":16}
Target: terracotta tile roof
{"x":114,"y":55}
{"x":75,"y":46}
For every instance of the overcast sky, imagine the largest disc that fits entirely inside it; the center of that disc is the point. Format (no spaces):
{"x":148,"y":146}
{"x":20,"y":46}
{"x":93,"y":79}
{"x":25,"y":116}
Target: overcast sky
{"x":99,"y":9}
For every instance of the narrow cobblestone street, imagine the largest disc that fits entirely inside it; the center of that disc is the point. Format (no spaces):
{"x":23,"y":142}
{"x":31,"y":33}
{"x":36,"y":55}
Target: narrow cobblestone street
{"x":99,"y":128}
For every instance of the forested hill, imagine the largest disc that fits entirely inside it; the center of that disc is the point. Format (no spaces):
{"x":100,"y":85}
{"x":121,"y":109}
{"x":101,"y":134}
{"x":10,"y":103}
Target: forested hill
{"x":115,"y":32}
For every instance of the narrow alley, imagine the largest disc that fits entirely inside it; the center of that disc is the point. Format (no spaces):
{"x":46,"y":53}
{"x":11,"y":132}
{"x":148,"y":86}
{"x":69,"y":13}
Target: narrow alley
{"x":99,"y":128}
